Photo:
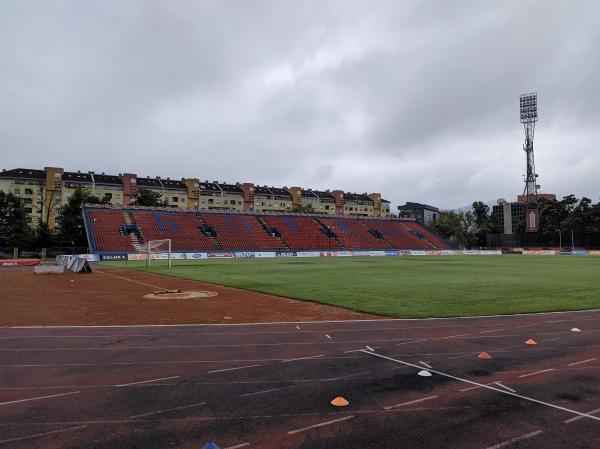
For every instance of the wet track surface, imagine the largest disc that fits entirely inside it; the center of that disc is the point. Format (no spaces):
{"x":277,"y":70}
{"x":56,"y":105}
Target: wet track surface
{"x":270,"y":385}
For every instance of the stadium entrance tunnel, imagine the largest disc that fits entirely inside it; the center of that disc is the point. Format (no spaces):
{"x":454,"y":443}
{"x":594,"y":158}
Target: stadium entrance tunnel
{"x":177,"y":294}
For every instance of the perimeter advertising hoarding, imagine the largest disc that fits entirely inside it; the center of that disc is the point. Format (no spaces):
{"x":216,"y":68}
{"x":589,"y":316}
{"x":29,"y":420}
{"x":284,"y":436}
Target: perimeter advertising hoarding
{"x":594,"y":253}
{"x":265,"y":254}
{"x":580,"y":252}
{"x":89,"y":257}
{"x":196,"y":256}
{"x":114,"y":256}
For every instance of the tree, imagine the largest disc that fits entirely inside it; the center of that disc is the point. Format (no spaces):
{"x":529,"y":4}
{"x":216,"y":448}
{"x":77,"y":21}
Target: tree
{"x":483,"y":223}
{"x":14,"y":223}
{"x":459,"y":227}
{"x":149,"y":198}
{"x":71,"y":226}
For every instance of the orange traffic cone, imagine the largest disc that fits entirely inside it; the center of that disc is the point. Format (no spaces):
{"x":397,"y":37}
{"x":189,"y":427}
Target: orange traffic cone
{"x":484,"y":355}
{"x":531,"y":342}
{"x":340,"y":402}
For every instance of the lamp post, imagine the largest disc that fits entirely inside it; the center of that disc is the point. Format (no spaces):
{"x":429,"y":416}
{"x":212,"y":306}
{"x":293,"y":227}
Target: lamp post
{"x":559,"y":239}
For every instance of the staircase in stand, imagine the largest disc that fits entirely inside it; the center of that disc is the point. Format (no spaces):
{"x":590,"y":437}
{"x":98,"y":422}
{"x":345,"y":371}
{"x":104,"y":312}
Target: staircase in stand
{"x":266,"y":227}
{"x":336,"y":239}
{"x":424,"y":236}
{"x":135,"y":241}
{"x":204,"y":225}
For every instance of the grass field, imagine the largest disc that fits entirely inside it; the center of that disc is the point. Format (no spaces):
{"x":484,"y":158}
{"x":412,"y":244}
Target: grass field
{"x":439,"y":286}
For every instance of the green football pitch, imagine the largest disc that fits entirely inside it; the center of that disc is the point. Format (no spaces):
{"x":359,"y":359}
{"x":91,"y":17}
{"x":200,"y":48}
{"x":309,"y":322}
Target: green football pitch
{"x":410,"y":287}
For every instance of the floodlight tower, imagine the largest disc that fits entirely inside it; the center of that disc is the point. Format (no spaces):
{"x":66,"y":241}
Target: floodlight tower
{"x":528,"y":106}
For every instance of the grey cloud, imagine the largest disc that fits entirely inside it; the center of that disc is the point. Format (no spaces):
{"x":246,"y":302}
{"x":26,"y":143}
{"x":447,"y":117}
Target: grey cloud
{"x":418,"y":100}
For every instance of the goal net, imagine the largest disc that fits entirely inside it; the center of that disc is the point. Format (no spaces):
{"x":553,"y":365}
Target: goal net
{"x":158,"y":251}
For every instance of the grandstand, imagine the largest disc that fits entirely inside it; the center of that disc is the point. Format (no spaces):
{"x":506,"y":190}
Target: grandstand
{"x":112,"y":230}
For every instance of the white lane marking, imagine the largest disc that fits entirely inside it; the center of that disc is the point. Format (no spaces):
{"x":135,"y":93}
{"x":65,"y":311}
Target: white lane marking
{"x":39,"y":397}
{"x":454,"y":336}
{"x":237,"y":446}
{"x":583,"y":361}
{"x":441,"y":373}
{"x":410,"y":342}
{"x":42,"y":434}
{"x":298,"y":327}
{"x":359,"y":350}
{"x":504,"y":386}
{"x":377,"y":320}
{"x":349,"y":375}
{"x":461,"y":356}
{"x":323,"y":424}
{"x":146,"y":381}
{"x":537,"y":372}
{"x":402,"y":404}
{"x":493,"y":330}
{"x":231,"y":369}
{"x":168,"y":410}
{"x":260,"y":392}
{"x":515,"y":439}
{"x":473,"y":388}
{"x":328,"y":336}
{"x":426,"y":364}
{"x":526,"y":325}
{"x":369,"y":348}
{"x":303,"y":358}
{"x":577,"y":418}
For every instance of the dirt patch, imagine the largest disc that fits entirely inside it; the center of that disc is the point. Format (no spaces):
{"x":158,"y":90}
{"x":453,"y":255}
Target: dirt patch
{"x":180,"y":295}
{"x":111,"y":296}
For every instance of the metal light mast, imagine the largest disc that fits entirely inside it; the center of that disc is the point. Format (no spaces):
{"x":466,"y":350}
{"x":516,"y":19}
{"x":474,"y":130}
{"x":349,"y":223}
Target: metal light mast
{"x":528,"y":106}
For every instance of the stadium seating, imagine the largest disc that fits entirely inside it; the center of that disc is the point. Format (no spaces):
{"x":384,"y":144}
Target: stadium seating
{"x":430,"y":236}
{"x":241,"y":232}
{"x":398,"y":235}
{"x":181,"y":228}
{"x":248,"y":232}
{"x":301,"y":233}
{"x":106,"y":229}
{"x":354,"y":234}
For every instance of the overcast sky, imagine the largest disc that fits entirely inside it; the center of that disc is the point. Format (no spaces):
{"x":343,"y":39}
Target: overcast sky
{"x":417,"y":100}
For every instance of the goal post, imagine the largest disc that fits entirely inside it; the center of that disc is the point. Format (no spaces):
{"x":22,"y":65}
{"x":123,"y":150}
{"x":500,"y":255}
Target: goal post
{"x":158,"y":250}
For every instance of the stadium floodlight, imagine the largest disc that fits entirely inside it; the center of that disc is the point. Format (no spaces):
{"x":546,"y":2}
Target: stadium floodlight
{"x":528,"y":106}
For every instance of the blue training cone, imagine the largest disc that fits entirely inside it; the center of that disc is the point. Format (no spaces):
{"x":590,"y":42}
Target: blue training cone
{"x":210,"y":445}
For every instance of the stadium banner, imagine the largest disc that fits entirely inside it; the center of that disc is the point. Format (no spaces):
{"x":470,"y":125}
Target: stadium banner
{"x":114,"y":257}
{"x":175,"y":256}
{"x":196,"y":256}
{"x":539,"y":252}
{"x":489,"y":252}
{"x":308,"y":254}
{"x":265,"y":254}
{"x":343,"y":253}
{"x":360,"y":253}
{"x":391,"y":253}
{"x":417,"y":253}
{"x":220,"y":255}
{"x":136,"y":256}
{"x":594,"y":252}
{"x":377,"y":253}
{"x":580,"y":252}
{"x":404,"y":252}
{"x":434,"y":253}
{"x":286,"y":254}
{"x":449,"y":252}
{"x":89,"y":257}
{"x":243,"y":255}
